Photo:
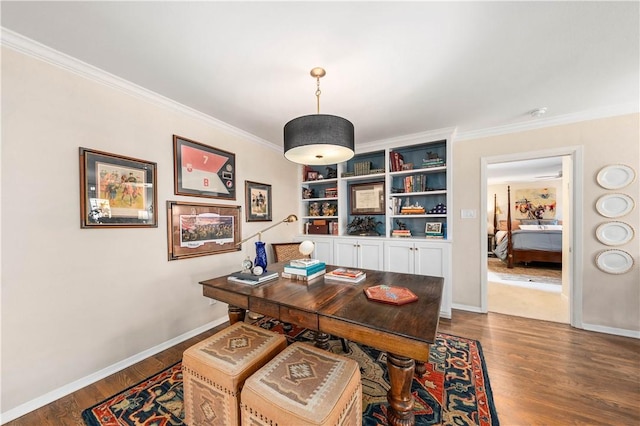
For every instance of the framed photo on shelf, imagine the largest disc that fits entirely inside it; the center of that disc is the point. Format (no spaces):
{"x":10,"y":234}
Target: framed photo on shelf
{"x":257,"y":201}
{"x":203,"y":171}
{"x":117,"y":191}
{"x":433,"y":228}
{"x":195,"y":229}
{"x":312,"y":175}
{"x":367,"y":198}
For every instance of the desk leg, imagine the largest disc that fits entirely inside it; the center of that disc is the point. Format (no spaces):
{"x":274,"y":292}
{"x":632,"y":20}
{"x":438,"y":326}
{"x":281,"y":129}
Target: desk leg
{"x":236,"y":314}
{"x":322,"y":340}
{"x":399,"y":396}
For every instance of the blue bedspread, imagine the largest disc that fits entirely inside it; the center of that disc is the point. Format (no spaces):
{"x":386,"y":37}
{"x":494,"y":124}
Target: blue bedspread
{"x":542,"y":239}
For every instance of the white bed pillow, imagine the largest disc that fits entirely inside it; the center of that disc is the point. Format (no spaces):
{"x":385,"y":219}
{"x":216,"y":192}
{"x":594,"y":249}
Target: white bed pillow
{"x":530,"y":227}
{"x":552,"y":227}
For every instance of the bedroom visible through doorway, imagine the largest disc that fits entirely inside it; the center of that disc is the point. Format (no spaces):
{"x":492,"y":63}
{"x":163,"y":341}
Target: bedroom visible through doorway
{"x":540,"y":208}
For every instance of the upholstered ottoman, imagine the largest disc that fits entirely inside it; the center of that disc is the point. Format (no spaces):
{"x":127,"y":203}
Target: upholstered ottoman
{"x":215,"y":369}
{"x":303,"y":385}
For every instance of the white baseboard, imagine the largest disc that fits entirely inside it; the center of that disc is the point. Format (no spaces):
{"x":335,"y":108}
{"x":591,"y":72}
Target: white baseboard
{"x":67,"y":389}
{"x":468,"y":308}
{"x":610,"y":330}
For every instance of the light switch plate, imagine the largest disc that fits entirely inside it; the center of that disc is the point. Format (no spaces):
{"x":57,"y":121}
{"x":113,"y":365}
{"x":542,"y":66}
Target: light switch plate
{"x":467,"y":214}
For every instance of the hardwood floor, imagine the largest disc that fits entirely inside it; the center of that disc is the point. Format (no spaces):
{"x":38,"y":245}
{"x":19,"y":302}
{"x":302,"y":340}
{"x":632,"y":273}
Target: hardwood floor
{"x":541,"y":373}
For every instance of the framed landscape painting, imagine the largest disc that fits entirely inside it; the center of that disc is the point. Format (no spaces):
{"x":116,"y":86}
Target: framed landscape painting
{"x":116,"y":191}
{"x":195,"y":229}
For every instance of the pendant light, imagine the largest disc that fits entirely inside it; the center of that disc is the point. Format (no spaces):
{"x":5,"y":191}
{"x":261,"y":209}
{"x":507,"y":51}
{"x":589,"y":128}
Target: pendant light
{"x":318,"y":139}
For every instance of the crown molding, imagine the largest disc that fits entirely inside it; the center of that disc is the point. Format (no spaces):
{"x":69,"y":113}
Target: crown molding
{"x":46,"y":54}
{"x":594,"y":114}
{"x":430,"y":135}
{"x":51,"y":56}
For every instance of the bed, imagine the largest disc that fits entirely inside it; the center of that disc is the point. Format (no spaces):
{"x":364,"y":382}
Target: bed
{"x":539,"y":242}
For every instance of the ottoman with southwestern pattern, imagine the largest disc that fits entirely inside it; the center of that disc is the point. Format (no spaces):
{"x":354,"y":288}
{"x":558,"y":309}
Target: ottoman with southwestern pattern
{"x":215,"y":369}
{"x":303,"y":385}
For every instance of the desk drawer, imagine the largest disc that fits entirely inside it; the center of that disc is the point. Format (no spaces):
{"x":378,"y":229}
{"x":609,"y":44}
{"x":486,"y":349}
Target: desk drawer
{"x":299,"y":317}
{"x":228,"y":297}
{"x":265,"y":308}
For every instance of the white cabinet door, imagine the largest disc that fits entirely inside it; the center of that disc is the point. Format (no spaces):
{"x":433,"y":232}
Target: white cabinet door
{"x":398,"y":257}
{"x":345,"y":252}
{"x":429,"y":259}
{"x":358,"y":253}
{"x":422,"y":258}
{"x":370,"y":255}
{"x":435,"y":259}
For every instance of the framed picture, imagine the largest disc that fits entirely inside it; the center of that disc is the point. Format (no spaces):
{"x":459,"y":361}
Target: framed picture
{"x":257,"y":201}
{"x":202,"y":171}
{"x":367,"y":198}
{"x":312,"y":175}
{"x":196,"y":229}
{"x":433,"y":228}
{"x":117,"y":191}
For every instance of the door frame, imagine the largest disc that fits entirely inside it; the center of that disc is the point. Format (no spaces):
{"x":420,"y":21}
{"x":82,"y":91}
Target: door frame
{"x":575,"y":249}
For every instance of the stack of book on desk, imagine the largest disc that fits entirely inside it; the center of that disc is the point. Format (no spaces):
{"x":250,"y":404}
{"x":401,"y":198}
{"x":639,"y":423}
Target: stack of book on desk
{"x":304,"y":269}
{"x":345,"y":275}
{"x":248,"y":278}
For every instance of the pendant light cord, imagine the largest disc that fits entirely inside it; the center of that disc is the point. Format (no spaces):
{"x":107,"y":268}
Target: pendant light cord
{"x":318,"y":94}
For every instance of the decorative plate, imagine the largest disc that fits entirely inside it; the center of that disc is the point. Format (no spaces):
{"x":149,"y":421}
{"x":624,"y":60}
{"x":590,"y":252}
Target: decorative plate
{"x":614,"y":233}
{"x":616,"y":176}
{"x":614,"y":261}
{"x":614,"y":205}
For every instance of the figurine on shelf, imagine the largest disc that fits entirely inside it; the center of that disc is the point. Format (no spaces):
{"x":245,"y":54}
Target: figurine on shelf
{"x":332,"y":173}
{"x":307,"y":193}
{"x":329,"y":209}
{"x":314,"y":209}
{"x":401,"y":225}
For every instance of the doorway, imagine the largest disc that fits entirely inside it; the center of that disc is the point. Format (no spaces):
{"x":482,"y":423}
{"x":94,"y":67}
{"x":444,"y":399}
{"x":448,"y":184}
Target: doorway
{"x":533,"y":295}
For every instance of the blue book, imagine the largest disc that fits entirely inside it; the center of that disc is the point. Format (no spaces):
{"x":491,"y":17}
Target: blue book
{"x":309,"y":270}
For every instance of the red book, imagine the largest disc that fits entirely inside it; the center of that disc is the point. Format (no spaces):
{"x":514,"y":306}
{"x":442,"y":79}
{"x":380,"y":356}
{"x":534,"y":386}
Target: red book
{"x":390,"y":294}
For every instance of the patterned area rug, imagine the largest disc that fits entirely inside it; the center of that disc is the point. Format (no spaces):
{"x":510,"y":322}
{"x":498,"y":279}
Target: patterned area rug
{"x":454,"y":391}
{"x":547,"y":273}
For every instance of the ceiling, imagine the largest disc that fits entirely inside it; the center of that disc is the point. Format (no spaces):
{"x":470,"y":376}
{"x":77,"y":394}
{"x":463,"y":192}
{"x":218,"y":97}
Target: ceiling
{"x":393,"y":68}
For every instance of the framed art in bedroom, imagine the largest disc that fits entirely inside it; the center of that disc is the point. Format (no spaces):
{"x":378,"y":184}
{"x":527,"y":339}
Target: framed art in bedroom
{"x":117,"y":191}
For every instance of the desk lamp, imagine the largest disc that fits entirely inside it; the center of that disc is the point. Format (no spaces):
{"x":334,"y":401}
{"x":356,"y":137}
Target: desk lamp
{"x":260,"y":263}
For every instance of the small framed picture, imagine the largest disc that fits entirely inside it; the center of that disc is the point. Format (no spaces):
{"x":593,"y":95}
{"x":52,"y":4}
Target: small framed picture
{"x":117,"y":191}
{"x":257,"y":201}
{"x":312,"y":175}
{"x":203,"y":171}
{"x":432,"y":228}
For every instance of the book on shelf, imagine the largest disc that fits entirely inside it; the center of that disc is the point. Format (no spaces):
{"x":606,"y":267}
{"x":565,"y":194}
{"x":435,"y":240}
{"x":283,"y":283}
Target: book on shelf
{"x":401,"y":233}
{"x":303,"y":263}
{"x":307,"y":278}
{"x":245,"y":278}
{"x":329,"y":276}
{"x":305,"y":271}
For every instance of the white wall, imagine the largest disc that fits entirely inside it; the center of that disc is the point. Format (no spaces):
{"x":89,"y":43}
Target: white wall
{"x":75,"y":301}
{"x":610,"y":302}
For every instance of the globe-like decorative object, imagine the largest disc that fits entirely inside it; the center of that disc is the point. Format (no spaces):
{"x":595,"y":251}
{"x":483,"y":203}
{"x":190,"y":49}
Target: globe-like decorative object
{"x":306,"y":247}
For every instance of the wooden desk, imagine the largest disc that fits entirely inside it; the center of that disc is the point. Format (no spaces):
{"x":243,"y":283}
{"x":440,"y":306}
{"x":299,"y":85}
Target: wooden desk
{"x":342,"y":309}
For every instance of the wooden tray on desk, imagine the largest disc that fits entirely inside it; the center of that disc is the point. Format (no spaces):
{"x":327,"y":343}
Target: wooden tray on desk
{"x":390,"y":294}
